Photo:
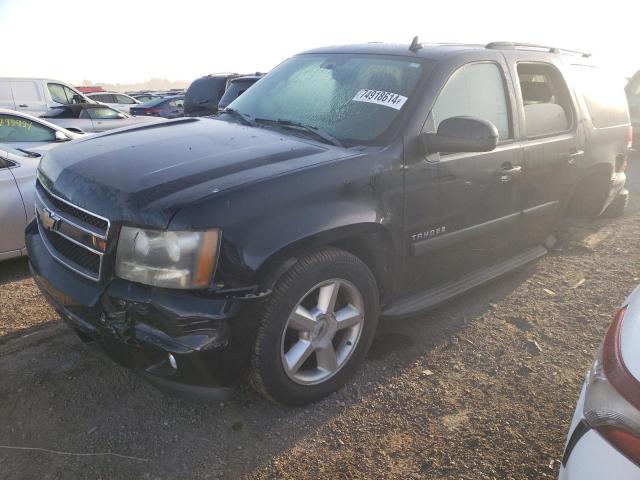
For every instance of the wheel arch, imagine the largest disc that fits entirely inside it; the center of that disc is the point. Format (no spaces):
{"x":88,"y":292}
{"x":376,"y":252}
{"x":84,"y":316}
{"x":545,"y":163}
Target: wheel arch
{"x":370,"y":242}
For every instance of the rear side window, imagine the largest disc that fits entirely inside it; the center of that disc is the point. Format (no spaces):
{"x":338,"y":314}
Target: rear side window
{"x":603,"y":94}
{"x":124,"y":99}
{"x":475,"y":90}
{"x":208,"y":89}
{"x":104,"y":98}
{"x":546,"y":99}
{"x":17,"y":129}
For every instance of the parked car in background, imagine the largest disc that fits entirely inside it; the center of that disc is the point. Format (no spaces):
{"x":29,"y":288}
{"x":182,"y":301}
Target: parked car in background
{"x":21,"y":130}
{"x":37,"y":95}
{"x":397,"y":177}
{"x":168,"y":107}
{"x":633,"y":96}
{"x":92,"y":117}
{"x":235,"y":88}
{"x":604,"y":436}
{"x":146,"y":97}
{"x":204,"y":93}
{"x":17,"y":190}
{"x":119,"y":101}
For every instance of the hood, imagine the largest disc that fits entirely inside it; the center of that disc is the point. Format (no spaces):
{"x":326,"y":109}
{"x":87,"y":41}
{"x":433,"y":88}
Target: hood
{"x":143,"y":175}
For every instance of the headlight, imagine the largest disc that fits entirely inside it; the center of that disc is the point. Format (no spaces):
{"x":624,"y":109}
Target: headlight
{"x":167,"y":259}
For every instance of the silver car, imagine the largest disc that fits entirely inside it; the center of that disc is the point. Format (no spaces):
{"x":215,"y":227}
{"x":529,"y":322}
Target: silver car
{"x":119,"y":101}
{"x":17,"y":191}
{"x":21,"y":130}
{"x":90,"y":117}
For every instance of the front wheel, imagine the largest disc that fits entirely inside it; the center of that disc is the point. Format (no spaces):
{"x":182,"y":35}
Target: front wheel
{"x":317,"y":326}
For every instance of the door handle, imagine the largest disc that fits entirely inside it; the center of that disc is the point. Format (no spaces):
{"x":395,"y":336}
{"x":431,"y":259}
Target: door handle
{"x":23,"y":106}
{"x":507,"y":171}
{"x":571,"y":157}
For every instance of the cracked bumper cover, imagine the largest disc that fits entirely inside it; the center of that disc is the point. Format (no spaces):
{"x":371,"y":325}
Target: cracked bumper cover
{"x":139,"y":326}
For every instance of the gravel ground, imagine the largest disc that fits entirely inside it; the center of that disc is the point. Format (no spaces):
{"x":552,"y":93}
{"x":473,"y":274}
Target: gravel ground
{"x":482,"y":388}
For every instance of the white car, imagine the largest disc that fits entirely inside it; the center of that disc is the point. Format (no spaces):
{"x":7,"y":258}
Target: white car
{"x":21,"y":130}
{"x":37,"y":95}
{"x":17,"y":191}
{"x":93,"y":117}
{"x":604,"y":437}
{"x":115,"y":100}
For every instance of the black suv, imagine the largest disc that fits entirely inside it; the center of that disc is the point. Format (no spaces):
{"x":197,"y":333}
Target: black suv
{"x":202,"y":96}
{"x":349,"y":183}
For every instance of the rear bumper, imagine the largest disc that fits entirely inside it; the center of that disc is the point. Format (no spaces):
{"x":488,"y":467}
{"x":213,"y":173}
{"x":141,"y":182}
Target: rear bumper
{"x":191,"y":344}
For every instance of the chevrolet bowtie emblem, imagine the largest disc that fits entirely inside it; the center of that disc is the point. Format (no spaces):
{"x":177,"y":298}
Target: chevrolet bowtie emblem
{"x":50,"y":221}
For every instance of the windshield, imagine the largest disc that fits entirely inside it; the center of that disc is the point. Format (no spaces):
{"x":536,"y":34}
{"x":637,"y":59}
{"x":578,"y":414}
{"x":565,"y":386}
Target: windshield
{"x":354,"y":98}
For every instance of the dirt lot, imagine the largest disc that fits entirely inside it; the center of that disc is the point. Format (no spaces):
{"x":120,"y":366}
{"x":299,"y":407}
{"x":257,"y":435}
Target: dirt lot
{"x":482,"y":388}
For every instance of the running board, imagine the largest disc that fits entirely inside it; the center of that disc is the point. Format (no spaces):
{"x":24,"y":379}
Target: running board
{"x":425,"y":300}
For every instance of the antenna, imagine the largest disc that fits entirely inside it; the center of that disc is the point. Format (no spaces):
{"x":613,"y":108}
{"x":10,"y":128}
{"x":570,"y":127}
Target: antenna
{"x":415,"y":44}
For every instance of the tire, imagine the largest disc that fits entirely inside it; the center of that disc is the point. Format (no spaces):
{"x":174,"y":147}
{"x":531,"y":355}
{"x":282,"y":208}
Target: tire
{"x":617,"y":207}
{"x":291,"y":362}
{"x":589,"y":199}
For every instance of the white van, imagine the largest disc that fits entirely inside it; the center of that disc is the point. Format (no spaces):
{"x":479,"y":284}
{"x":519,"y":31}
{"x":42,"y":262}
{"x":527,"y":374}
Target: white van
{"x":37,"y":95}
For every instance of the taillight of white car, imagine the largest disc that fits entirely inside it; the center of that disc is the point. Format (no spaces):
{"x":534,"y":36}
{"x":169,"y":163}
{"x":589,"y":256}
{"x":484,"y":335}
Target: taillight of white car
{"x":612,"y":396}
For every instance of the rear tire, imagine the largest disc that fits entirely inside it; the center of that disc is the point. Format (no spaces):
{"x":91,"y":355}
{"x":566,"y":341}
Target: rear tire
{"x":590,"y":197}
{"x":617,"y":207}
{"x":316,"y":329}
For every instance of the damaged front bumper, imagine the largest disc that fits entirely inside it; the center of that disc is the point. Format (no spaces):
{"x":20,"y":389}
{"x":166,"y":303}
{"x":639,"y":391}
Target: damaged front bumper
{"x":181,"y":341}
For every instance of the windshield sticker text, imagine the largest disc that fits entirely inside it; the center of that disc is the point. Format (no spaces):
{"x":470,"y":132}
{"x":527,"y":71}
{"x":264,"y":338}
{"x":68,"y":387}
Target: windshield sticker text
{"x":10,"y":122}
{"x":380,"y":97}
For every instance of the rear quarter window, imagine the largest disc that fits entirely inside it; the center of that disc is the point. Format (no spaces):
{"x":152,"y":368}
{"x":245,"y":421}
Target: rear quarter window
{"x":603,"y":94}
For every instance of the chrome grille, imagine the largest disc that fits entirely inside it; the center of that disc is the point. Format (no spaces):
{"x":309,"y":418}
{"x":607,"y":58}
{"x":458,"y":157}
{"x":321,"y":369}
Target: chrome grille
{"x":74,"y":237}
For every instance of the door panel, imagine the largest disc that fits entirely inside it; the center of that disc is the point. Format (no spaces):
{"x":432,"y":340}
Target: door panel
{"x":553,"y":144}
{"x":28,"y":97}
{"x":12,"y":214}
{"x":479,"y":195}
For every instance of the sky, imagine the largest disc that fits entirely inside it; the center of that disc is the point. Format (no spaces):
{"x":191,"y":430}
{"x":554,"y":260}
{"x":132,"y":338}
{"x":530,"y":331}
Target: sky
{"x":118,"y":41}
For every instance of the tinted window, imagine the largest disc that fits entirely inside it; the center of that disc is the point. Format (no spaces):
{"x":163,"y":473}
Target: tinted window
{"x":355,"y":98}
{"x":208,"y":89}
{"x":104,"y":98}
{"x":25,"y":91}
{"x":123,"y":99}
{"x":102,"y":113}
{"x":603,"y":94}
{"x":61,"y":112}
{"x":17,"y":129}
{"x":475,"y":90}
{"x":547,"y":104}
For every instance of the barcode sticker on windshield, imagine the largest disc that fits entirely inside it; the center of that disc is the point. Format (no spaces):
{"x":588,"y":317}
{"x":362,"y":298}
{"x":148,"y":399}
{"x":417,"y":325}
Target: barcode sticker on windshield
{"x":380,"y":97}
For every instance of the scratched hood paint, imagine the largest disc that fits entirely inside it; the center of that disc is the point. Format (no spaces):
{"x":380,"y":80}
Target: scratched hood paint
{"x":143,"y":175}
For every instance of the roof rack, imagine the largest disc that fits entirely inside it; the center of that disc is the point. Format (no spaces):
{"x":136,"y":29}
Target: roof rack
{"x":533,"y":46}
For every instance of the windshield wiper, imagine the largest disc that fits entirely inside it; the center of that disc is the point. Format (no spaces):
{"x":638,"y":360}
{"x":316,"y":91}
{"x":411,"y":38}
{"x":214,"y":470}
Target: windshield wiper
{"x":301,"y":126}
{"x":29,"y":153}
{"x":246,"y":119}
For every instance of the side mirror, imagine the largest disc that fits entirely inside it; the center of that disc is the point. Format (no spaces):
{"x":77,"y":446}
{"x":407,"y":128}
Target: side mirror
{"x":462,"y":134}
{"x":61,"y":137}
